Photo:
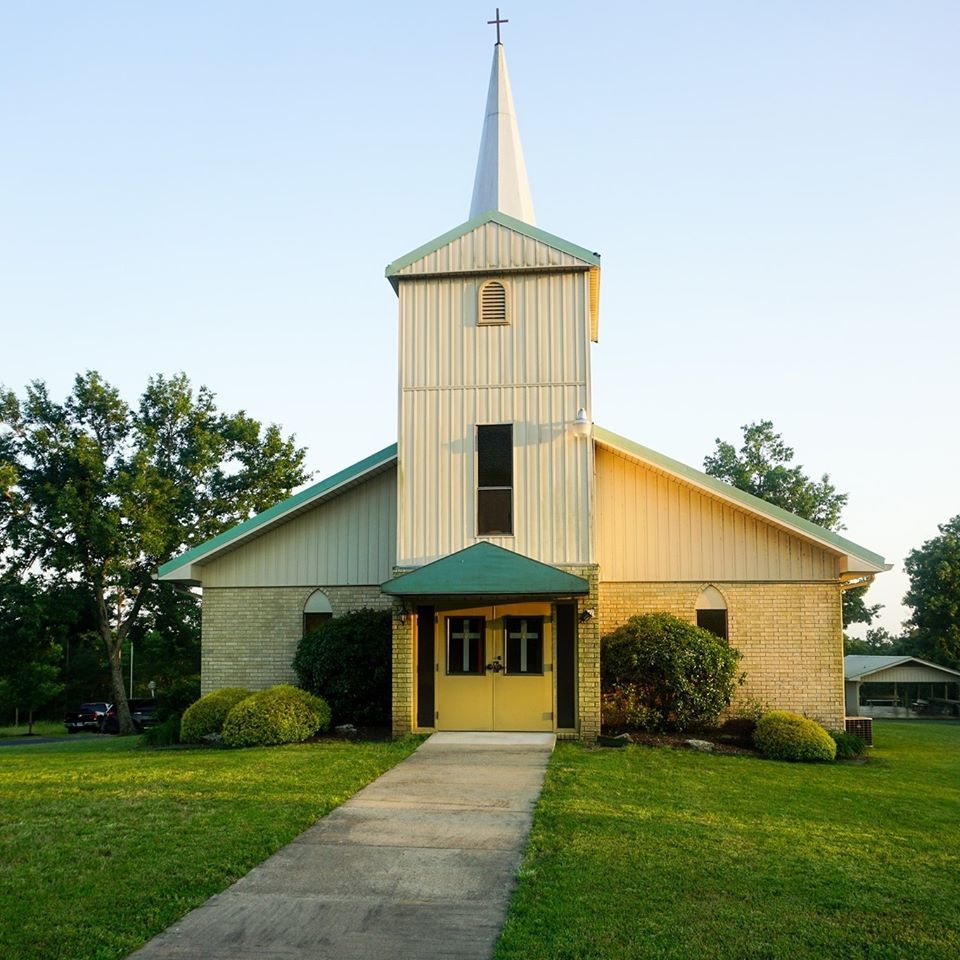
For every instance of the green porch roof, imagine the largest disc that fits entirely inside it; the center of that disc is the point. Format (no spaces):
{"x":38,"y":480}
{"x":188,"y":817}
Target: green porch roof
{"x":589,"y":257}
{"x":485,"y":569}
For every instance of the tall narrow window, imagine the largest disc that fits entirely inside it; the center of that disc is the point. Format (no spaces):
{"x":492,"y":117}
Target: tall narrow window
{"x":494,"y":308}
{"x":494,"y":479}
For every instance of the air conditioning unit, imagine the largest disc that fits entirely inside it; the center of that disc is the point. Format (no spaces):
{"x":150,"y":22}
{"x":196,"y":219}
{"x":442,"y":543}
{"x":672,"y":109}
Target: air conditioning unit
{"x":861,"y":727}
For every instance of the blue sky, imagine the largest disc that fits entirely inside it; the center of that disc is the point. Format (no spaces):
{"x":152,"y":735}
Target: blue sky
{"x":215,"y":187}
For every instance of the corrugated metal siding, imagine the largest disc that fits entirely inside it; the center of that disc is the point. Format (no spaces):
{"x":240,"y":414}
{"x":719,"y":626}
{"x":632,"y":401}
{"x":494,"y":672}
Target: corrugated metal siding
{"x":533,"y":373}
{"x":652,"y":527}
{"x":491,"y":247}
{"x":348,"y":540}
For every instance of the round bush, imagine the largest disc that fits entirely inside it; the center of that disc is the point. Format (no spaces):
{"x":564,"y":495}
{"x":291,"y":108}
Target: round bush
{"x":782,"y":735}
{"x":678,"y":673}
{"x":281,"y":714}
{"x":346,"y":661}
{"x":206,"y":716}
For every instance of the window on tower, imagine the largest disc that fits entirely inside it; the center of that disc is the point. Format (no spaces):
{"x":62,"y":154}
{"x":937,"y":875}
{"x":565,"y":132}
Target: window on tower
{"x":494,"y":479}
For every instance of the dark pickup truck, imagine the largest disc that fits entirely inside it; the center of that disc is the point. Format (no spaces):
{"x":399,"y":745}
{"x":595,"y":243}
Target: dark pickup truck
{"x":143,"y":713}
{"x":88,"y":717}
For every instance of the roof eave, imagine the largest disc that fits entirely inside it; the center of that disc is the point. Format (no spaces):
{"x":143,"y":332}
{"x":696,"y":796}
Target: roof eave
{"x":393,"y":270}
{"x":859,"y":559}
{"x":186,"y":567}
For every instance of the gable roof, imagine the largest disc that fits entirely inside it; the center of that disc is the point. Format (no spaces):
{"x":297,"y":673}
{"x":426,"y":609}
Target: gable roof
{"x":485,"y":569}
{"x":859,"y":558}
{"x":181,"y":568}
{"x":393,"y":270}
{"x":860,"y":666}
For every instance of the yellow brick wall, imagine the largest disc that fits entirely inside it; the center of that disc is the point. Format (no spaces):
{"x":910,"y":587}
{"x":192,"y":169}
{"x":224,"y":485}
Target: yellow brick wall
{"x":790,"y":635}
{"x":250,"y":634}
{"x":402,"y":672}
{"x":588,"y":655}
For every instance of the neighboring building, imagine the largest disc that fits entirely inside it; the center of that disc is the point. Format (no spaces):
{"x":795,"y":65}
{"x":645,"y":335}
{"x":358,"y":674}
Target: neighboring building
{"x":899,"y":686}
{"x":505,"y":531}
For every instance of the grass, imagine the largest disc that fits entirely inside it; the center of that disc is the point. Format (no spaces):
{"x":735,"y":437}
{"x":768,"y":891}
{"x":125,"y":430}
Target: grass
{"x":41,"y":728}
{"x":104,"y":844}
{"x":654,"y":853}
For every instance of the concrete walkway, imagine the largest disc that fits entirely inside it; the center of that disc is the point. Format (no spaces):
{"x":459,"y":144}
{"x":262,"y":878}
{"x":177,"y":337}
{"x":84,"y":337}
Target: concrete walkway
{"x":419,"y":865}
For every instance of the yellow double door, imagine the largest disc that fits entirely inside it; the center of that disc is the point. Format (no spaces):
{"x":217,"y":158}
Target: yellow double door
{"x":494,"y":668}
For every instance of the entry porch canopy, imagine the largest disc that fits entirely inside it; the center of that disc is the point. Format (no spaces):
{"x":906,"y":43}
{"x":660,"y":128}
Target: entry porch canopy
{"x":486,"y":570}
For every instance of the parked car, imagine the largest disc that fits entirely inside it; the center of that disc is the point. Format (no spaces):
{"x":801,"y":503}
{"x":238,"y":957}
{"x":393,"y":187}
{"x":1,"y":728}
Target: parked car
{"x":143,"y":713}
{"x":88,"y":717}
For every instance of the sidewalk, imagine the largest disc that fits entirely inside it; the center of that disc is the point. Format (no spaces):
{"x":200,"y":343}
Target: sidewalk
{"x":420,"y":864}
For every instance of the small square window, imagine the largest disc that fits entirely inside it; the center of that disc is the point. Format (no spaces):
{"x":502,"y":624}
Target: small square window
{"x":713,"y":620}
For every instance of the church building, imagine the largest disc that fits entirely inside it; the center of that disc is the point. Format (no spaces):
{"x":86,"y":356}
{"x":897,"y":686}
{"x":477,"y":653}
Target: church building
{"x":504,"y":529}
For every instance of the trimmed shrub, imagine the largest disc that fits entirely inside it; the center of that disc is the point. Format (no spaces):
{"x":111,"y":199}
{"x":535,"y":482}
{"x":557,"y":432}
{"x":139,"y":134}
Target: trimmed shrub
{"x":680,"y":674}
{"x":621,"y":709}
{"x":164,"y":734}
{"x":206,"y":716}
{"x":281,"y":714}
{"x":782,"y":735}
{"x":849,"y":745}
{"x":346,"y":661}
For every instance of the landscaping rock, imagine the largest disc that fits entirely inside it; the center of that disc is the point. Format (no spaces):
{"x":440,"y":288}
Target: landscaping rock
{"x":346,"y":730}
{"x":619,"y":741}
{"x":703,"y":746}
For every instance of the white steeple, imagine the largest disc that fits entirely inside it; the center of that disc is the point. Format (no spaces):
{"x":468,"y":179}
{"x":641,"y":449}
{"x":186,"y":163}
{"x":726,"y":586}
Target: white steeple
{"x":501,"y":181}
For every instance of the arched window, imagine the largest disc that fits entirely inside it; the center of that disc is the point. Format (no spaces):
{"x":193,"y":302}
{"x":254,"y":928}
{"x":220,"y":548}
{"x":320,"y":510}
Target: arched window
{"x":494,"y":306}
{"x":712,"y":612}
{"x":315,"y":611}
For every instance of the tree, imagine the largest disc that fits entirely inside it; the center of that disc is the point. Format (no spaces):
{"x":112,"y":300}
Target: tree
{"x":934,"y":595}
{"x":763,"y":466}
{"x":877,"y":642}
{"x":95,"y":490}
{"x":29,"y":653}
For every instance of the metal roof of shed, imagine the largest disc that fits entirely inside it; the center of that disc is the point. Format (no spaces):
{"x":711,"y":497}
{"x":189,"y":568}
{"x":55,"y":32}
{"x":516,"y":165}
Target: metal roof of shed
{"x":861,"y":666}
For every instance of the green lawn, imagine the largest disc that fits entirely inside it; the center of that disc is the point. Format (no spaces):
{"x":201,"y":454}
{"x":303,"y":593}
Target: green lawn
{"x":647,"y":852}
{"x":103,"y":844}
{"x":41,"y":728}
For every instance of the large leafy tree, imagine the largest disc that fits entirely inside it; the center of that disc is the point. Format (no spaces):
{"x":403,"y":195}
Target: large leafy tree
{"x":29,"y":651}
{"x":99,"y":491}
{"x":764,"y":467}
{"x":934,"y":595}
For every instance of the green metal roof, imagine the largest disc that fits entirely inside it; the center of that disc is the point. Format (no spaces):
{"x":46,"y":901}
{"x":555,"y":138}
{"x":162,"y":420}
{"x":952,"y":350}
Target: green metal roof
{"x":491,"y":216}
{"x":728,"y":492}
{"x":301,"y":499}
{"x":485,"y":569}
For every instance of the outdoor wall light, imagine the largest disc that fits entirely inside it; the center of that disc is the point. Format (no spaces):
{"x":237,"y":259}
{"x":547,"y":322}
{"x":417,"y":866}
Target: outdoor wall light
{"x":586,"y":615}
{"x":581,"y":425}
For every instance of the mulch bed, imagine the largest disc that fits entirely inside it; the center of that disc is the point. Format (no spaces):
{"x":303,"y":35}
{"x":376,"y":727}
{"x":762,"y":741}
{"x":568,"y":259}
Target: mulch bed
{"x":677,"y":741}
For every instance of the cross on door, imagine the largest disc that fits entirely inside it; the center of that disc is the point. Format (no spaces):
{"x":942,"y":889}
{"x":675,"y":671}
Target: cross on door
{"x":524,"y":636}
{"x":466,"y":635}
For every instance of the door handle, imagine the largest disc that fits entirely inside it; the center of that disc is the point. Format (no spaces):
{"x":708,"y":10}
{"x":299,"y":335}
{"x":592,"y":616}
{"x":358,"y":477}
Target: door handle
{"x":496,"y":666}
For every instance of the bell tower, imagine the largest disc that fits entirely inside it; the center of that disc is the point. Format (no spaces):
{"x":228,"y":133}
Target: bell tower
{"x":496,"y":321}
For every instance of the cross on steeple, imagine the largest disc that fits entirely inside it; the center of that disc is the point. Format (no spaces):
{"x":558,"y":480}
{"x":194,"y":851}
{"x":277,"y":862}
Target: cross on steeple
{"x":498,"y":21}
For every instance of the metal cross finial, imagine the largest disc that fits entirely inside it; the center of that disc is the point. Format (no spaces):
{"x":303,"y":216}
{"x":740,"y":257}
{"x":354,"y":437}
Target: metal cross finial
{"x":498,"y":21}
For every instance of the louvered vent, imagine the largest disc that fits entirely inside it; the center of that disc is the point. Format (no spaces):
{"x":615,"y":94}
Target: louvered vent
{"x":493,"y":303}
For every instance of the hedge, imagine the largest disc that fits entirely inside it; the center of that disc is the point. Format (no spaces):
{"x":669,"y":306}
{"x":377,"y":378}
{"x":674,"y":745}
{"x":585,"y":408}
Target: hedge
{"x":282,"y":714}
